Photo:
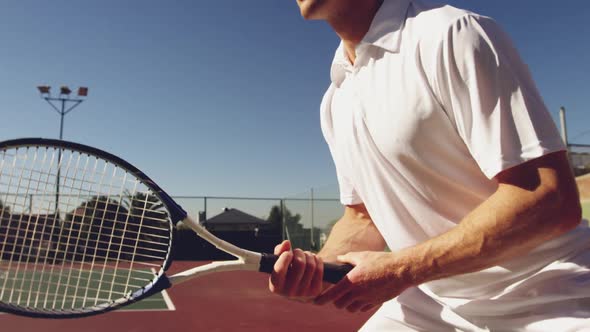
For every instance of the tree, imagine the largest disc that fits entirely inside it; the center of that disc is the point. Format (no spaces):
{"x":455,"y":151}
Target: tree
{"x":4,"y":209}
{"x":300,"y":237}
{"x":94,"y":229}
{"x":276,"y":217}
{"x":149,"y":218}
{"x":135,"y":228}
{"x":6,"y":228}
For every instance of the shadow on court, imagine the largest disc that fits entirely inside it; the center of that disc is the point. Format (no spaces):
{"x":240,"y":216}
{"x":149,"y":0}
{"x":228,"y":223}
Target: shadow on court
{"x":229,"y":301}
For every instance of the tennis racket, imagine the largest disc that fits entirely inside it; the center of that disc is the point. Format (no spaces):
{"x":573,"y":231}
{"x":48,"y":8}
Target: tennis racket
{"x":83,"y":231}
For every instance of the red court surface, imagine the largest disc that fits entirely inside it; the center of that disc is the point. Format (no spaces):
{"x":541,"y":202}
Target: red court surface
{"x":227,"y":301}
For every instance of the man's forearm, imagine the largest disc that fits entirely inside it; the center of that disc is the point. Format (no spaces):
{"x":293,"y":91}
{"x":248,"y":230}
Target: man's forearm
{"x":353,"y":232}
{"x":510,"y":223}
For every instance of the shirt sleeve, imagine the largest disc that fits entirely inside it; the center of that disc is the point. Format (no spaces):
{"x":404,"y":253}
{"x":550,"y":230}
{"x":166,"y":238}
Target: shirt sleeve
{"x":348,"y":195}
{"x":489,"y":95}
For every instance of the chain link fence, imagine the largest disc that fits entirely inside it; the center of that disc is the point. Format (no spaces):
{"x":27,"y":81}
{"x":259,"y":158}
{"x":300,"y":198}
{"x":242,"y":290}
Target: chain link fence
{"x":306,"y":221}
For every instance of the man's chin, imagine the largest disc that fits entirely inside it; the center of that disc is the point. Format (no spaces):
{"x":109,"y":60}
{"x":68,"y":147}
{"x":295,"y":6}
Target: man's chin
{"x":308,"y":9}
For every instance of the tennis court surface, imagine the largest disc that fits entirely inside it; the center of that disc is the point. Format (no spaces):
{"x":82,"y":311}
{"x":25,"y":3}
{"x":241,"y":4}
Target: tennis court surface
{"x":53,"y":287}
{"x":231,"y":301}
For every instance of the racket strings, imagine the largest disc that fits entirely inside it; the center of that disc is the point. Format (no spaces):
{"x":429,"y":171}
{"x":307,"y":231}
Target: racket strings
{"x":156,"y":216}
{"x":143,"y":253}
{"x":18,"y":189}
{"x":58,"y":289}
{"x":68,"y":183}
{"x":23,"y":240}
{"x":62,"y":209}
{"x":47,"y":283}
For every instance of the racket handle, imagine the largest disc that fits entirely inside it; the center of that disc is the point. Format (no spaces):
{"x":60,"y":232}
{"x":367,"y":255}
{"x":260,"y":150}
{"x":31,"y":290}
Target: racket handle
{"x":333,"y":273}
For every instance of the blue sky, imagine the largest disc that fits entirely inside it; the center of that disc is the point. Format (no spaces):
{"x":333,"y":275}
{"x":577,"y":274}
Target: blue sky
{"x":221,"y":97}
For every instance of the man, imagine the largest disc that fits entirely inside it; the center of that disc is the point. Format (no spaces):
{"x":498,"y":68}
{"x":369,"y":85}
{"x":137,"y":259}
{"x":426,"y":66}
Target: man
{"x":445,"y":154}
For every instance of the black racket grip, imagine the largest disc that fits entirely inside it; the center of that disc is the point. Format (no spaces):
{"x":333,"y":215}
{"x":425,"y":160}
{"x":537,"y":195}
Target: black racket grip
{"x":332,"y":272}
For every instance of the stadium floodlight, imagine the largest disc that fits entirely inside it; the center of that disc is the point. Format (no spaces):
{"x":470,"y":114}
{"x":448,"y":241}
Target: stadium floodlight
{"x":64,"y":90}
{"x":44,"y":89}
{"x":82,"y":91}
{"x":63,"y":99}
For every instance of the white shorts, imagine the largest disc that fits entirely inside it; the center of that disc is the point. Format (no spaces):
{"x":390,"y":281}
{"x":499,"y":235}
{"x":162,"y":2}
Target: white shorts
{"x":415,"y":310}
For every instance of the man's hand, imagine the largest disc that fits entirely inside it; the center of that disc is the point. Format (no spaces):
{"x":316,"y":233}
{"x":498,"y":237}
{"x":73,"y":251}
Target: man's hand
{"x":377,"y":277}
{"x":297,"y":274}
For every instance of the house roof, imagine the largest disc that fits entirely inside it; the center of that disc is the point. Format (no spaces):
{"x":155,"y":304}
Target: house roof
{"x":234,"y":217}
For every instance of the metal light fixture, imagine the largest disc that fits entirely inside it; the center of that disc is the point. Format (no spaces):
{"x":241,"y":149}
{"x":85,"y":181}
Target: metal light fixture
{"x":44,"y":89}
{"x":64,"y":90}
{"x":63,"y":99}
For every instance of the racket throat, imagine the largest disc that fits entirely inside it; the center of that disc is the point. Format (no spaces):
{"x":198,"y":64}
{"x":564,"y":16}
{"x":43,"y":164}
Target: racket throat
{"x":246,"y":260}
{"x":243,"y":255}
{"x":213,"y":267}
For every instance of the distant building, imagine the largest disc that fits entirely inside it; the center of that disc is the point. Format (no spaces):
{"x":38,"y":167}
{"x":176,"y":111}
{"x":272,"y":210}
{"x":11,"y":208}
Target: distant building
{"x":580,"y":162}
{"x":234,"y":226}
{"x":234,"y":220}
{"x":244,"y":230}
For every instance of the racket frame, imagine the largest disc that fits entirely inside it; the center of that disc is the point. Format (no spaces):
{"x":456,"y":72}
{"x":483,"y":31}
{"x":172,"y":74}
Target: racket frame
{"x":160,"y":281}
{"x":246,"y":260}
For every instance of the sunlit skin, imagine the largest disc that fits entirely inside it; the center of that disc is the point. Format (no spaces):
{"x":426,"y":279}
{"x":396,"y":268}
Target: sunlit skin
{"x":350,"y":19}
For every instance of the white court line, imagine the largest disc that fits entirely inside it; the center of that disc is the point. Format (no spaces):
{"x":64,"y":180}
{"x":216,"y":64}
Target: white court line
{"x":166,"y":297}
{"x":169,"y":304}
{"x":168,"y":301}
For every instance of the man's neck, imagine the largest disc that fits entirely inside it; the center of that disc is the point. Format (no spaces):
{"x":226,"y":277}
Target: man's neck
{"x":352,"y":24}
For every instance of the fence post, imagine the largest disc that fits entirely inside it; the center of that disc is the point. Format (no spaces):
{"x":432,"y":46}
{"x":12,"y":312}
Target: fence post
{"x":312,"y":240}
{"x":205,"y":207}
{"x":563,"y":124}
{"x":283,"y":225}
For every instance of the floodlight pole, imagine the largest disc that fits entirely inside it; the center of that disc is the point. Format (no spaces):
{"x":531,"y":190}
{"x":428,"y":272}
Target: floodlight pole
{"x":63,"y":99}
{"x":563,"y":126}
{"x":62,"y":111}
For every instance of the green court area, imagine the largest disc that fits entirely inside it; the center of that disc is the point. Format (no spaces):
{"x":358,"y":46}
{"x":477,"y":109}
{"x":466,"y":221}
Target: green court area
{"x":78,"y":288}
{"x":159,"y":301}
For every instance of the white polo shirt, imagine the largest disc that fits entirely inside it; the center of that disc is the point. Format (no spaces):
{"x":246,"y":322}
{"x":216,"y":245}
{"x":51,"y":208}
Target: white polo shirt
{"x":436,"y":104}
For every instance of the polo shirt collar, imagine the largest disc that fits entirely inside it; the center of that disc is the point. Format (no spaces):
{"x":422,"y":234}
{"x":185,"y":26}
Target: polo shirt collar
{"x":386,"y":27}
{"x":384,"y":32}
